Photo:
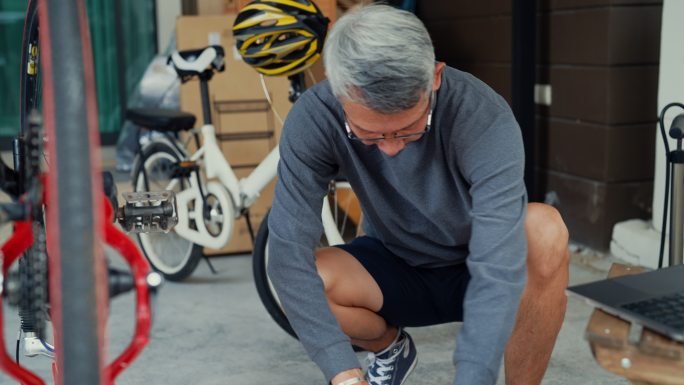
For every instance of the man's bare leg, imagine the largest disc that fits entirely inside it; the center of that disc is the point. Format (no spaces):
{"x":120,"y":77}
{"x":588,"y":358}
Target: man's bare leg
{"x":354,"y":298}
{"x":543,"y":302}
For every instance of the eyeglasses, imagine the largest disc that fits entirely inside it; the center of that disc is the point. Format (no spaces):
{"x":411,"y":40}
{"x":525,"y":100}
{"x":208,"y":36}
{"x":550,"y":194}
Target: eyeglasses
{"x":394,"y":136}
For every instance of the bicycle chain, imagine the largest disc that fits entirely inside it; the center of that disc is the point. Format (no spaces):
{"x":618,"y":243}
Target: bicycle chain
{"x":33,"y":142}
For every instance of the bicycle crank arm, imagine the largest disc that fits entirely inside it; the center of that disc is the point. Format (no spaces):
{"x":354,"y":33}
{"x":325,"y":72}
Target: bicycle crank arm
{"x":10,"y":212}
{"x":148,"y":212}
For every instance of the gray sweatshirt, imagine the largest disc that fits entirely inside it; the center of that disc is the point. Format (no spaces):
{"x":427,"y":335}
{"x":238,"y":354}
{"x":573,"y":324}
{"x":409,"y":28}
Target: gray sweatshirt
{"x":454,"y":196}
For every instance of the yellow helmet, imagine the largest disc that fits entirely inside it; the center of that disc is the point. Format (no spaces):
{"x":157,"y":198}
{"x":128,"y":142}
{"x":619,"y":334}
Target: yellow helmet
{"x":280,"y":37}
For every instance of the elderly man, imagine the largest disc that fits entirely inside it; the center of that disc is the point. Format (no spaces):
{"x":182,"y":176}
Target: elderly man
{"x":436,"y":160}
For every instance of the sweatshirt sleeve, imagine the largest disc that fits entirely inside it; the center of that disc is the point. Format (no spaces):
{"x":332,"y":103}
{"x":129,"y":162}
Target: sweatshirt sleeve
{"x":306,"y":166}
{"x":491,"y":158}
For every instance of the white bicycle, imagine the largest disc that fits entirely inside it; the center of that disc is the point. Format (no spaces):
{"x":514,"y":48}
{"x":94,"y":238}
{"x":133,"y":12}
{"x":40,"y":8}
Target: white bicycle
{"x":209,"y":197}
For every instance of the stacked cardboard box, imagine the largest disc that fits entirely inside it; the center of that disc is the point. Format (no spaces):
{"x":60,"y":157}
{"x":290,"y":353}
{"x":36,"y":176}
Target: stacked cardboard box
{"x":220,"y":7}
{"x":239,"y":108}
{"x":246,"y":124}
{"x":216,"y":7}
{"x":327,"y":7}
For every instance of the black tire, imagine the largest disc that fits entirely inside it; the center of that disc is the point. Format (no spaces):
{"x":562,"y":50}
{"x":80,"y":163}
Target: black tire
{"x":78,"y":290}
{"x":33,"y":304}
{"x":173,"y":256}
{"x":265,"y":289}
{"x":261,"y":281}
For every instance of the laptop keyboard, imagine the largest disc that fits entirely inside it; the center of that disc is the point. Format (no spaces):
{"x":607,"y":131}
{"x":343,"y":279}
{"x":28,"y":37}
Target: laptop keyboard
{"x":668,"y":310}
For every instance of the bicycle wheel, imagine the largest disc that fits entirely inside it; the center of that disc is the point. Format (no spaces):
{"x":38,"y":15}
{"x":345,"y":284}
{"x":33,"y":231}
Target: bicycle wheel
{"x":75,"y":218}
{"x":346,"y":214}
{"x":33,"y":304}
{"x":172,"y":255}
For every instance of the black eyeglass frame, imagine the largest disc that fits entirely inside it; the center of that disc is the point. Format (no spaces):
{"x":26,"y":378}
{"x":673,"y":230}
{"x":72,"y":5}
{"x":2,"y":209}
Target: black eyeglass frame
{"x":352,"y":136}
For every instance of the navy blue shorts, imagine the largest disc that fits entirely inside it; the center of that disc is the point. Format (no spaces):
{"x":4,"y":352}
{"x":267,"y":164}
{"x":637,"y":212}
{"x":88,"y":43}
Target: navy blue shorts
{"x":412,"y":296}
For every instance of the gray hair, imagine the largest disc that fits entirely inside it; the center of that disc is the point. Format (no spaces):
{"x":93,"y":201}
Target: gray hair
{"x":380,"y":57}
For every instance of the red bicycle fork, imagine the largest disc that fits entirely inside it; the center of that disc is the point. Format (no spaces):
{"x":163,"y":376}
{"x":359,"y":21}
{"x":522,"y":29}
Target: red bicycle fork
{"x":22,"y":239}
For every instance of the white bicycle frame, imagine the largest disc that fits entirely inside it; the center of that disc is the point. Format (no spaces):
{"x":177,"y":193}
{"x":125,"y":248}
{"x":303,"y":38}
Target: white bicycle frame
{"x":233,"y":195}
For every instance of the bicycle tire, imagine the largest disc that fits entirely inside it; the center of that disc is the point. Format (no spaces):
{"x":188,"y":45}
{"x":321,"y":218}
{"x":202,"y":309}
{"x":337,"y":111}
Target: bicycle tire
{"x":75,"y":215}
{"x":265,"y":290}
{"x":158,"y":247}
{"x":263,"y":285}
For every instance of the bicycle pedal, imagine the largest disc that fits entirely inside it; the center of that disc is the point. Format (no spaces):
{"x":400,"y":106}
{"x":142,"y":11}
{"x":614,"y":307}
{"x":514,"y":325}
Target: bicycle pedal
{"x":148,"y":212}
{"x":184,"y":168}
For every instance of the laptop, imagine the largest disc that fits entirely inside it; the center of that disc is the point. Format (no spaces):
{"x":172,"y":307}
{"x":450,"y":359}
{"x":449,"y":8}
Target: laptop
{"x":654,"y":299}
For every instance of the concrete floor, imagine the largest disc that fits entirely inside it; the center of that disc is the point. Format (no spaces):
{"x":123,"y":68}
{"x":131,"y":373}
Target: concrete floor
{"x":212,"y":329}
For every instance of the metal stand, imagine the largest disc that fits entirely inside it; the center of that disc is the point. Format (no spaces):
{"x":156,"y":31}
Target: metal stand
{"x":675,"y":164}
{"x":677,"y":214}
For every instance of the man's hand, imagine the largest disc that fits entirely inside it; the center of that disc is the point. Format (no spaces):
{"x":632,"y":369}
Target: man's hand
{"x":348,"y":375}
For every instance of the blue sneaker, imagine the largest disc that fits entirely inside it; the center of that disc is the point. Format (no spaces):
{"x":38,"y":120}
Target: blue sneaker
{"x":394,"y":364}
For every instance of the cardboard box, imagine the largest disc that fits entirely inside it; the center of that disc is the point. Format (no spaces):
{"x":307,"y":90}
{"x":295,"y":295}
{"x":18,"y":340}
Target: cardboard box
{"x":246,"y":153}
{"x":236,"y":116}
{"x":239,"y":110}
{"x":239,"y":83}
{"x":216,"y":7}
{"x":327,"y":7}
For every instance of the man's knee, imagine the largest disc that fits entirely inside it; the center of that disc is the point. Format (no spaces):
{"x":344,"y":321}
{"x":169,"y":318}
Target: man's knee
{"x":346,"y":281}
{"x":547,"y":241}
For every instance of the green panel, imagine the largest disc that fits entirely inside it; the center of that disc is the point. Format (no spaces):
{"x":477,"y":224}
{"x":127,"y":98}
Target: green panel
{"x":12,"y":13}
{"x":140,"y":37}
{"x":139,"y":46}
{"x":103,"y":40}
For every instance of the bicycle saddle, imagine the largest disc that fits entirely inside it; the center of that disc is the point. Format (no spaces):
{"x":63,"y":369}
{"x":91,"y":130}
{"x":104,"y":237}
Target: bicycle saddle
{"x":197,"y":62}
{"x":160,"y":119}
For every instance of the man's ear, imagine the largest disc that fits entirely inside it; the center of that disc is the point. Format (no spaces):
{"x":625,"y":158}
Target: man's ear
{"x":439,"y":67}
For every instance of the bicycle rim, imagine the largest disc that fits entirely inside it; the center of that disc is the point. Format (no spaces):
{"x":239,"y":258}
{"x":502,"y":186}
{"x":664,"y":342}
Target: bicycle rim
{"x":74,"y":216}
{"x":169,"y":253}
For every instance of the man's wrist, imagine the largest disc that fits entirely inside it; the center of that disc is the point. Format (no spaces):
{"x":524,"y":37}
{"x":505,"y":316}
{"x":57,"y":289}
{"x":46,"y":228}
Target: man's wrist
{"x":349,"y":377}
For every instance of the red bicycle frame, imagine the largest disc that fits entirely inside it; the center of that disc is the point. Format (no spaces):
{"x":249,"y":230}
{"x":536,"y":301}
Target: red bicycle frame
{"x":22,"y":239}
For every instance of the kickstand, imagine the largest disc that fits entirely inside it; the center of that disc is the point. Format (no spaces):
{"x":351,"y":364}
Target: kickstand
{"x":211,"y":267}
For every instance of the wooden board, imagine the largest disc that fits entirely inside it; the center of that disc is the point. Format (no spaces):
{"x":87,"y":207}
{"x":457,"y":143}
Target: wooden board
{"x":650,"y":359}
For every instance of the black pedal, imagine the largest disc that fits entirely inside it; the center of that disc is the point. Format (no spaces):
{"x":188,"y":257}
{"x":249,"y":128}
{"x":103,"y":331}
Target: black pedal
{"x":148,"y":212}
{"x":184,"y":169}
